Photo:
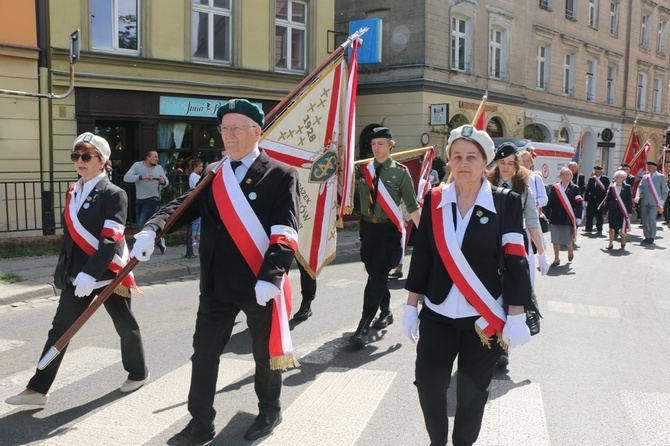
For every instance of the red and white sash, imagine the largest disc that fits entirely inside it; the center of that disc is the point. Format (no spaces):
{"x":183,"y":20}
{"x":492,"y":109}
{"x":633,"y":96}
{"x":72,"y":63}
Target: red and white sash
{"x":652,"y":191}
{"x":626,"y":218}
{"x":252,"y":241}
{"x":493,"y":314}
{"x":88,"y":243}
{"x":386,"y":202}
{"x":568,"y":208}
{"x":600,"y":184}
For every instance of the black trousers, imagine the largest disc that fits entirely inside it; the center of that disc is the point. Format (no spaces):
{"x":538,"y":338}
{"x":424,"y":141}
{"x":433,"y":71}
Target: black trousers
{"x":69,"y":309}
{"x":307,"y":285}
{"x":592,"y":212}
{"x":441,"y":340}
{"x":380,"y":252}
{"x":213,"y":327}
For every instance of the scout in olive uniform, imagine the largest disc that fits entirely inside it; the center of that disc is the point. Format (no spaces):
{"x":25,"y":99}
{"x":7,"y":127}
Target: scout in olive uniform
{"x":380,"y":233}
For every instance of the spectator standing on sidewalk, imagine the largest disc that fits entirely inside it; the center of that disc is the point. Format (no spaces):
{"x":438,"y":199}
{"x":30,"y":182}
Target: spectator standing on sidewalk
{"x":196,"y":170}
{"x":149,"y":178}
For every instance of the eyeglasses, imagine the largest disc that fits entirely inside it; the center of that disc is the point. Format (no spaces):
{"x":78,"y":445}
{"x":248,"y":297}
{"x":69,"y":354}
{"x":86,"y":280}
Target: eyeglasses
{"x":234,"y":129}
{"x":85,"y":157}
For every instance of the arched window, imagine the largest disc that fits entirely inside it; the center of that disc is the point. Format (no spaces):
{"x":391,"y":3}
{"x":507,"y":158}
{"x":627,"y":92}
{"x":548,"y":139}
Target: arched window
{"x":458,"y":120}
{"x":494,"y":128}
{"x":564,"y":136}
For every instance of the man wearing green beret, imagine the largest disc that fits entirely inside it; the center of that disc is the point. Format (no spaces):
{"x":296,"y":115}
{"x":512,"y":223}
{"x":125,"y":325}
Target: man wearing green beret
{"x":250,"y":205}
{"x":382,"y":185}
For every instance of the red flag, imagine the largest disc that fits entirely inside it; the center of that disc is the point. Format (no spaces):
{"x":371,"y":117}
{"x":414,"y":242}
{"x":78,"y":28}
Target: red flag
{"x":632,"y":149}
{"x":481,"y":122}
{"x":638,"y":164}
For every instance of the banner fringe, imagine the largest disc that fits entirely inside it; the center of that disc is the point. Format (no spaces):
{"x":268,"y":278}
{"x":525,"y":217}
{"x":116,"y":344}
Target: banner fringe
{"x":284,"y":362}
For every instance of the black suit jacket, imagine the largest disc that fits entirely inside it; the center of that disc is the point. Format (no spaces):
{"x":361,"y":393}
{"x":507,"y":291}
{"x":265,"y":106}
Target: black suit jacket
{"x":554,"y":209}
{"x":274,"y":188}
{"x":580,"y":182}
{"x":594,"y":194}
{"x":626,"y":196}
{"x":482,"y":249}
{"x":107,"y":202}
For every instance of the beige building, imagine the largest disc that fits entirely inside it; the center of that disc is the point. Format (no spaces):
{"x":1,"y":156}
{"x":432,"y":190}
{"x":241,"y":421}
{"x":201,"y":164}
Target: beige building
{"x":556,"y":71}
{"x":152,"y":74}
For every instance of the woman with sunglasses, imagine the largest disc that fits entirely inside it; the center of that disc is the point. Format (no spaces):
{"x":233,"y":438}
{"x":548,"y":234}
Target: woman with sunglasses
{"x":94,"y":251}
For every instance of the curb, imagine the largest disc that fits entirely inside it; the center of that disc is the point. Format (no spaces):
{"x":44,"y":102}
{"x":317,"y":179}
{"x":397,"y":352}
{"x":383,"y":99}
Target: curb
{"x":144,"y":276}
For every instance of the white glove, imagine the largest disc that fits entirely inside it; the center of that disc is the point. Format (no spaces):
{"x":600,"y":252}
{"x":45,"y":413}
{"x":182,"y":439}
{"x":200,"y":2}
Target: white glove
{"x":410,"y":322}
{"x":265,"y":292}
{"x":83,"y":285}
{"x":516,"y":332}
{"x":543,"y":263}
{"x":578,"y":221}
{"x":637,"y":200}
{"x":144,"y":245}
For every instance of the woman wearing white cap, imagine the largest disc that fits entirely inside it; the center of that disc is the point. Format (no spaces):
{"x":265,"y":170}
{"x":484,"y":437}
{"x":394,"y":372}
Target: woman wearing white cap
{"x":94,"y":251}
{"x":470,"y":237}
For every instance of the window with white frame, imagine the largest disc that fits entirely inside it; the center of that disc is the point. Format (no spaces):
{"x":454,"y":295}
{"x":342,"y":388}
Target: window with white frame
{"x":611,"y":85}
{"x":656,"y":98}
{"x":662,"y":34}
{"x":645,"y":30}
{"x":569,"y":74}
{"x":498,"y":53}
{"x":543,"y":67}
{"x":571,"y":9}
{"x":591,"y":76}
{"x":290,"y":35}
{"x":545,"y":4}
{"x":115,"y":25}
{"x":641,"y":101}
{"x":211,"y":30}
{"x":593,"y":13}
{"x":614,"y":19}
{"x":460,"y":44}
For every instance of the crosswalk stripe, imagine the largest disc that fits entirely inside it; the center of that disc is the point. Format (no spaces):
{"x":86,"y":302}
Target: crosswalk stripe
{"x":317,"y":416}
{"x":584,"y":309}
{"x":77,"y":364}
{"x":8,"y":344}
{"x":157,"y":405}
{"x":514,"y":416}
{"x":649,"y":414}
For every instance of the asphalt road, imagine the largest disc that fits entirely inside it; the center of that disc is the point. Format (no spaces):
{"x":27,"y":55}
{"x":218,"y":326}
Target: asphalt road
{"x":597,"y":374}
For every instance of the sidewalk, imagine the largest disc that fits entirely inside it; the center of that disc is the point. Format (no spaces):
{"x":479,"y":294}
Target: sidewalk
{"x":37,"y":272}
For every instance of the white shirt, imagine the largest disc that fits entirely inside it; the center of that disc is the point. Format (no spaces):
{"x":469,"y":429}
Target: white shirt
{"x":81,"y":189}
{"x":456,"y":305}
{"x":193,"y":179}
{"x":539,"y":191}
{"x":247,"y":161}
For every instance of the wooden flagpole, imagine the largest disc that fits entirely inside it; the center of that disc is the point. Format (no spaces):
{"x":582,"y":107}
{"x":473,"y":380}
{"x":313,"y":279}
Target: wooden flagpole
{"x":480,"y":109}
{"x":58,"y":346}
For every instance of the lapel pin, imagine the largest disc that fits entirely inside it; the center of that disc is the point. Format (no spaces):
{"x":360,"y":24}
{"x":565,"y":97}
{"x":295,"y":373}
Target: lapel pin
{"x":479,"y":213}
{"x":484,"y":220}
{"x":88,"y":198}
{"x":252,"y":195}
{"x":86,"y":205}
{"x":248,"y":181}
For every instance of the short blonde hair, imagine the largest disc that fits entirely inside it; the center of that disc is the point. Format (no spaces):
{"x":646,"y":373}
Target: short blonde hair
{"x":565,"y":169}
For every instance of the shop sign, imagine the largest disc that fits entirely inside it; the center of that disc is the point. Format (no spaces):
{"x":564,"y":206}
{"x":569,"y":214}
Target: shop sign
{"x":196,"y":107}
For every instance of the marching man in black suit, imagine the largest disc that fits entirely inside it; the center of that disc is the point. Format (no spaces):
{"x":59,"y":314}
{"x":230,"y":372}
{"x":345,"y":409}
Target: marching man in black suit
{"x":250,"y":217}
{"x":596,"y":189}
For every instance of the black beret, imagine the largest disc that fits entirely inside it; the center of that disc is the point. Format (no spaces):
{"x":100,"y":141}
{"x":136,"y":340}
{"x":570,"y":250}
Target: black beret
{"x":626,"y":165}
{"x":653,"y":163}
{"x":504,"y":150}
{"x":597,"y":168}
{"x":243,"y":107}
{"x":381,"y":132}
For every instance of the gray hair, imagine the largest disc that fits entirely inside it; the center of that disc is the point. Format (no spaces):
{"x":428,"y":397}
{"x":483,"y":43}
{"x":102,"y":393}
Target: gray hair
{"x":620,"y":174}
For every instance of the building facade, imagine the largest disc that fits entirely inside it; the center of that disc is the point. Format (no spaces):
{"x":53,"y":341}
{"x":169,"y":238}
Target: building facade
{"x":557,"y":71}
{"x":151,"y":75}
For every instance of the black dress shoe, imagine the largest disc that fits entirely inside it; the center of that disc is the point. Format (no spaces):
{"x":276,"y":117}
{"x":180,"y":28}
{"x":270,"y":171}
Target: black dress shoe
{"x":263,"y":425}
{"x":360,"y":337}
{"x":303,"y":313}
{"x":191,"y":436}
{"x":384,"y":320}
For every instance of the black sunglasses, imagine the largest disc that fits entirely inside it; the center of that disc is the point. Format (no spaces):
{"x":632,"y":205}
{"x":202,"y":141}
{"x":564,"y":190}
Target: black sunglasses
{"x":85,"y":157}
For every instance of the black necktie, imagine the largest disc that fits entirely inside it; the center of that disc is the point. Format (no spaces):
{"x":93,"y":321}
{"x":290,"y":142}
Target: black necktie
{"x":505,"y":185}
{"x":235,"y":164}
{"x":375,"y":183}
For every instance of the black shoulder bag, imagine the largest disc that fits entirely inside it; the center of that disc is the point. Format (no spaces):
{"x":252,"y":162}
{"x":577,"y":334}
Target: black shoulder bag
{"x":533,"y":315}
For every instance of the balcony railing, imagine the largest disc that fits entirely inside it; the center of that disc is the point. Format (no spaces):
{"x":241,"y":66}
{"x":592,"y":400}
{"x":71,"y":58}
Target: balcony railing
{"x":33,"y":202}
